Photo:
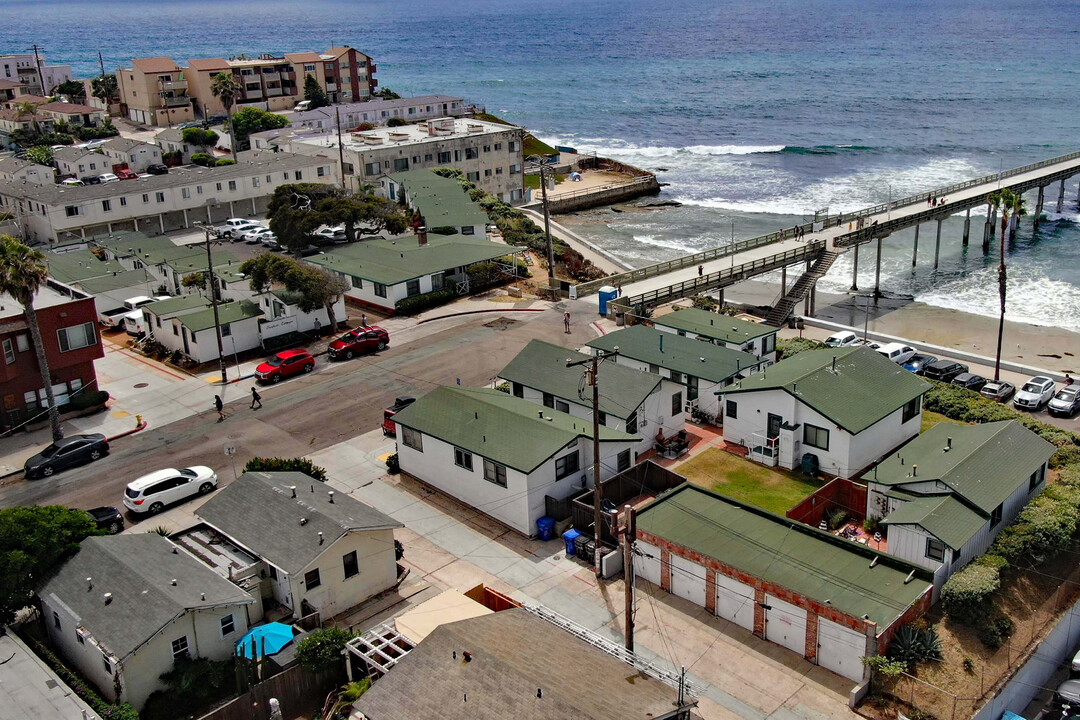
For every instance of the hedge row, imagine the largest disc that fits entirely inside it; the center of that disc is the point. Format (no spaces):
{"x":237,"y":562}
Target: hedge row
{"x":106,"y":710}
{"x":419,"y":303}
{"x":296,"y":464}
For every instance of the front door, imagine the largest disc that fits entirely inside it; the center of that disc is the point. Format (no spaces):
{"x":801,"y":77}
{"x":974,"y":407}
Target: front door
{"x":773,"y":431}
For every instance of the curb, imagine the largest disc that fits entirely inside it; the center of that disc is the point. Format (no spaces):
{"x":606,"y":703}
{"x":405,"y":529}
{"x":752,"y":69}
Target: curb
{"x":478,"y":312}
{"x":13,"y":473}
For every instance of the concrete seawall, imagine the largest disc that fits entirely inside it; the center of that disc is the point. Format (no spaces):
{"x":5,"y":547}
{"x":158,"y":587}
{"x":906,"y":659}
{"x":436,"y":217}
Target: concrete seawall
{"x":640,"y":187}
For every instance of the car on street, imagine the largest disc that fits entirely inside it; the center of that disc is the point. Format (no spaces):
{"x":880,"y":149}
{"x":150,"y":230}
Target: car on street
{"x":72,"y":182}
{"x":271,"y":243}
{"x":216,"y":119}
{"x":330,"y":234}
{"x":65,"y":453}
{"x":105,"y":178}
{"x":185,"y":125}
{"x":1067,"y":695}
{"x":917,"y":363}
{"x":107,"y":518}
{"x":125,"y":174}
{"x":389,"y":427}
{"x":899,"y":353}
{"x":1035,"y":393}
{"x":357,"y":342}
{"x":94,"y":144}
{"x":235,"y":227}
{"x":255,"y":235}
{"x":91,"y":179}
{"x":157,"y":169}
{"x":285,"y":364}
{"x":968,"y":380}
{"x":1065,"y":403}
{"x":842,"y":339}
{"x":151,"y":493}
{"x":944,"y":370}
{"x":998,"y":390}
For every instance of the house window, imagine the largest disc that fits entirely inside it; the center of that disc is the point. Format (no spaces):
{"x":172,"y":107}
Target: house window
{"x":487,"y":172}
{"x":254,"y":182}
{"x":473,"y":176}
{"x":379,"y":289}
{"x":320,"y":171}
{"x":498,"y":171}
{"x":498,"y":146}
{"x":1033,"y":481}
{"x":444,"y":157}
{"x":515,"y":169}
{"x":411,"y":438}
{"x":185,"y":193}
{"x":463,"y":458}
{"x":22,"y":343}
{"x":935,"y":549}
{"x":312,"y":579}
{"x":912,"y":408}
{"x":816,"y":437}
{"x":232,"y":186}
{"x":562,"y":406}
{"x":676,"y":403}
{"x":603,"y":418}
{"x":514,"y":146}
{"x":123,"y":202}
{"x":401,"y":164}
{"x":56,"y":620}
{"x":768,"y":344}
{"x":107,"y":664}
{"x":350,"y":564}
{"x":412,"y":287}
{"x":226,"y":330}
{"x":180,"y":648}
{"x":71,"y":210}
{"x":106,"y":205}
{"x":995,"y":516}
{"x":218,"y":186}
{"x":76,"y":336}
{"x":79,"y":637}
{"x":457,"y":156}
{"x":428,"y":157}
{"x":495,"y":473}
{"x":566,"y":465}
{"x":631,"y":423}
{"x":622,"y":461}
{"x":160,"y":197}
{"x":517,"y":390}
{"x":371,"y":168}
{"x":299,"y":175}
{"x":228,"y":625}
{"x":9,"y":352}
{"x":146,"y":197}
{"x":471,"y":154}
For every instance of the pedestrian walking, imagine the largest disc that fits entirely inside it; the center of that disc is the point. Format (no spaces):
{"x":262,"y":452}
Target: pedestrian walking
{"x":256,"y":398}
{"x":363,"y":319}
{"x":566,"y":321}
{"x":220,"y":407}
{"x":700,"y":270}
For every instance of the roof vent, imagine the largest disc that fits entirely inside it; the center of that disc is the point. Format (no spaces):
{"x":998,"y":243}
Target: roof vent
{"x":910,"y":577}
{"x":174,"y":551}
{"x":320,"y":537}
{"x":89,"y":583}
{"x":292,"y":489}
{"x":331,"y":494}
{"x":173,"y":582}
{"x":303,"y":521}
{"x":948,"y":444}
{"x":914,"y":471}
{"x":108,"y":598}
{"x":701,"y":359}
{"x":466,"y":656}
{"x":202,"y":595}
{"x":834,"y":363}
{"x":541,"y":414}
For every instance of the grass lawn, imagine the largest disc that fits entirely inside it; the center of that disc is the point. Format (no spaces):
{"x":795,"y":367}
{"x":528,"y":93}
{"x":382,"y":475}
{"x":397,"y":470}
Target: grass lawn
{"x":930,"y":419}
{"x":774,"y":490}
{"x":533,"y":181}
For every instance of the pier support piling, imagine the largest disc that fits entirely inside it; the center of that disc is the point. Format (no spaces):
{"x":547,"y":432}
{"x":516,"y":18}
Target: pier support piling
{"x":813,"y":300}
{"x":783,"y":281}
{"x":915,"y":250}
{"x":877,"y":271}
{"x":1061,"y":196}
{"x":987,"y":228}
{"x":1038,"y":207}
{"x":967,"y":227}
{"x":806,"y":302}
{"x":937,"y":243}
{"x":855,"y":271}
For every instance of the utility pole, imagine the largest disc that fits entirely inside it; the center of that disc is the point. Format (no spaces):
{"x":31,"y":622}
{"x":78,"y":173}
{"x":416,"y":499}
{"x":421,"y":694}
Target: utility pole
{"x":37,"y":64}
{"x":545,"y":166}
{"x":593,"y":364}
{"x":629,"y":534}
{"x":214,"y":304}
{"x":101,"y":64}
{"x":340,"y":147}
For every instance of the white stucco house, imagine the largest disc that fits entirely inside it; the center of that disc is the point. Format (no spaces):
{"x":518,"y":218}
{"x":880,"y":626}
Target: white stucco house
{"x":125,"y":608}
{"x":847,"y":406}
{"x":640,"y":403}
{"x":946,"y":495}
{"x":502,"y":454}
{"x":136,"y":155}
{"x":736,"y":333}
{"x":79,"y":163}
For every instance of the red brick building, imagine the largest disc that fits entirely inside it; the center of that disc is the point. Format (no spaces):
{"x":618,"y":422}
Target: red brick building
{"x":69,"y":331}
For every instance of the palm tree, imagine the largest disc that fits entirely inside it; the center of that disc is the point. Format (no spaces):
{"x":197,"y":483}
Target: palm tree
{"x":1018,"y":207}
{"x":22,"y":273}
{"x":1005,"y":200}
{"x":225,"y":88}
{"x":28,"y":109}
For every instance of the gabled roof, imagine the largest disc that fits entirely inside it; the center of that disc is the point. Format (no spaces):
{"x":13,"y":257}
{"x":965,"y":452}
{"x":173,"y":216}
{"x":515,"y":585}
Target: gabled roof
{"x":714,"y":325}
{"x":14,"y":164}
{"x":303,"y":57}
{"x":811,"y":562}
{"x":71,"y":154}
{"x":441,"y":201}
{"x":6,"y":84}
{"x":542,"y":366}
{"x":139,"y":571}
{"x":862,"y":388}
{"x":78,"y":265}
{"x":498,"y":426}
{"x":154,"y":64}
{"x":66,"y":108}
{"x":228,"y":312}
{"x":984,"y":464}
{"x":512,"y":654}
{"x":259,"y":512}
{"x":943,"y":516}
{"x":715,"y":363}
{"x":122,"y":144}
{"x":176,"y":305}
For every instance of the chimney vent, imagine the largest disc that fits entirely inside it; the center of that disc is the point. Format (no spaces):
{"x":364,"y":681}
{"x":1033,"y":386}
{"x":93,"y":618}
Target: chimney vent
{"x":421,"y":235}
{"x":89,"y":583}
{"x":320,"y":537}
{"x":948,"y":444}
{"x":303,"y":521}
{"x":173,"y":582}
{"x":914,"y":471}
{"x":331,"y":494}
{"x":108,"y":598}
{"x":292,"y":489}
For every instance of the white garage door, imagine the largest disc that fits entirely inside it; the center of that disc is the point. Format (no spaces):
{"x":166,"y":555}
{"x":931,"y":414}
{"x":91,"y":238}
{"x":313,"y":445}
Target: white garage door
{"x":735,"y":602}
{"x":647,"y":562}
{"x":840,"y":649}
{"x":785,"y":624}
{"x":688,"y":580}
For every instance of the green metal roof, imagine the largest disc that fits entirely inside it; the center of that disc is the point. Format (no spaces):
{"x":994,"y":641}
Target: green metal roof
{"x":229,"y":312}
{"x":713,"y":325}
{"x":943,"y":516}
{"x":808,"y":561}
{"x":123,"y":279}
{"x":194,"y":260}
{"x":441,"y":201}
{"x":397,"y":260}
{"x":176,"y":305}
{"x":985,"y":464}
{"x":542,"y":366}
{"x":126,"y":244}
{"x":79,"y":265}
{"x":498,"y":426}
{"x":715,"y":363}
{"x":864,"y":387}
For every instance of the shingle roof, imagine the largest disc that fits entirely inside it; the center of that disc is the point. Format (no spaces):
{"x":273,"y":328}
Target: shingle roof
{"x":154,"y":64}
{"x":228,"y":312}
{"x":680,"y":354}
{"x":259,"y":512}
{"x":863,"y":388}
{"x":542,"y":366}
{"x":984,"y":464}
{"x":6,"y":84}
{"x":13,"y":164}
{"x":513,"y":654}
{"x":943,"y":516}
{"x":714,"y":325}
{"x":498,"y":426}
{"x":122,"y":144}
{"x":441,"y":201}
{"x":808,"y":561}
{"x":66,"y":108}
{"x":71,"y":154}
{"x":138,"y":570}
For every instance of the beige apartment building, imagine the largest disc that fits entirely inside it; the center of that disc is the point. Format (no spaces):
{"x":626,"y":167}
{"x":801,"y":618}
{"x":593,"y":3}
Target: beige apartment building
{"x":154,"y":91}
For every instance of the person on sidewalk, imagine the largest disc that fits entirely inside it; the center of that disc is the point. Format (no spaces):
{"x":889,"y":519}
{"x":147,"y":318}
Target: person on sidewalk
{"x":256,"y":398}
{"x":566,"y":321}
{"x":700,"y":270}
{"x":363,"y":320}
{"x":220,"y":407}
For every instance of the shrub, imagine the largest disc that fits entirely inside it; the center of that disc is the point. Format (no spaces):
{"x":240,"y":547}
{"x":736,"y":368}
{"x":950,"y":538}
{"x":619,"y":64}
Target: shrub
{"x":993,"y":561}
{"x":968,"y":595}
{"x":872,"y":524}
{"x":1046,"y":525}
{"x":222,"y":162}
{"x":392,"y":465}
{"x":914,"y":645}
{"x":204,"y":159}
{"x":882,"y":669}
{"x":296,"y":464}
{"x":704,"y":302}
{"x":419,"y":303}
{"x":794,"y":346}
{"x":365,"y":126}
{"x":993,"y":633}
{"x":88,"y":132}
{"x":395,"y":122}
{"x":835,"y":517}
{"x":321,"y":650}
{"x":969,"y":665}
{"x":89,"y":399}
{"x":443,"y":230}
{"x":172,"y":159}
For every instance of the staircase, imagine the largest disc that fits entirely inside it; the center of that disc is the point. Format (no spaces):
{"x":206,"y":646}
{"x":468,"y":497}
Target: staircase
{"x":784,"y":305}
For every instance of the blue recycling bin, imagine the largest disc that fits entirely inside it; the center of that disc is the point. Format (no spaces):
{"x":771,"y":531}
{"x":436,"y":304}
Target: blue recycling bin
{"x":546,"y":527}
{"x":568,"y":537}
{"x":606,"y":294}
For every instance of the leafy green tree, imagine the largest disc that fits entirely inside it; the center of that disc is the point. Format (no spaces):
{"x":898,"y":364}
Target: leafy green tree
{"x":314,"y":93}
{"x":40,"y":154}
{"x":199,"y":137}
{"x":73,"y":89}
{"x":32,"y":541}
{"x":222,"y":162}
{"x":252,"y":120}
{"x":317,"y":287}
{"x":105,"y":88}
{"x":387,"y":94}
{"x":204,"y":159}
{"x":195,"y":280}
{"x":396,"y":122}
{"x":22,"y":273}
{"x":225,"y":88}
{"x":373,"y":213}
{"x":321,"y":649}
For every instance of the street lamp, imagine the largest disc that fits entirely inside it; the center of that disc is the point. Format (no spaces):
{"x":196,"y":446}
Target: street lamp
{"x":544,"y":164}
{"x":214,"y":300}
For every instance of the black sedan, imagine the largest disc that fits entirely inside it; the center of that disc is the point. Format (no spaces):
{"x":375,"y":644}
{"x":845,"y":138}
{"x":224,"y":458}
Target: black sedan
{"x":108,"y":519}
{"x":68,"y":452}
{"x":971,"y":381}
{"x":157,"y":169}
{"x":917,"y":363}
{"x":944,"y":370}
{"x":998,"y":391}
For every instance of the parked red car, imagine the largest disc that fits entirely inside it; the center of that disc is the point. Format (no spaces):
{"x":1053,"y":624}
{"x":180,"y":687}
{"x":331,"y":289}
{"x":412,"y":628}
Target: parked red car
{"x":126,"y":174}
{"x":285,"y":364}
{"x":360,"y":340}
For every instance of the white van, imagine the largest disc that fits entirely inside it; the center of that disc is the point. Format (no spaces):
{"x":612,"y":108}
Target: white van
{"x":897,"y":352}
{"x":302,"y":106}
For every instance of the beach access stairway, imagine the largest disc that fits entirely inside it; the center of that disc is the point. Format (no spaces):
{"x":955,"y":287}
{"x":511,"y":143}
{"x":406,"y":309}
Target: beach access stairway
{"x":784,"y":305}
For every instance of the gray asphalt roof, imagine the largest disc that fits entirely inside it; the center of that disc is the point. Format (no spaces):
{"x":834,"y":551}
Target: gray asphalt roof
{"x":138,"y":570}
{"x":259,"y":512}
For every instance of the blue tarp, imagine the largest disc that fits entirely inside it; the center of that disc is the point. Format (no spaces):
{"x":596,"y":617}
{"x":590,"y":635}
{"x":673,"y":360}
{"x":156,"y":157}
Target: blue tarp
{"x":276,"y":636}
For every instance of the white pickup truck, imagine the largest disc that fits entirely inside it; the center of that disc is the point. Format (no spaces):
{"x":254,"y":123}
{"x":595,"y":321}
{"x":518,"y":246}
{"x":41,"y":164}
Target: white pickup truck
{"x":115,"y":317}
{"x":235,"y":227}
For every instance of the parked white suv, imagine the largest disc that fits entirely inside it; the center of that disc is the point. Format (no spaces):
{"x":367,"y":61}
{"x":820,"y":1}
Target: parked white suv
{"x":899,"y":353}
{"x":106,"y":178}
{"x":842,"y":339}
{"x":1035,"y":393}
{"x":151,"y":493}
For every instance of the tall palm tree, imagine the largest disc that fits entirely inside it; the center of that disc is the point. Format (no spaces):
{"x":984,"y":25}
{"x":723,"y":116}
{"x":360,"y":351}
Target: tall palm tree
{"x":225,"y":88}
{"x":1005,"y":200}
{"x":22,"y":273}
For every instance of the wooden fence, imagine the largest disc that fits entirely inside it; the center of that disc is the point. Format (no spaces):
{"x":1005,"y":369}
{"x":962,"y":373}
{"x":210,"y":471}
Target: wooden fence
{"x":298,"y":691}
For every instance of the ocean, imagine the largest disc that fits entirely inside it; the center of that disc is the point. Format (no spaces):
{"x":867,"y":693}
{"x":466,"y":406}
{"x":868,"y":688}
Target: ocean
{"x":755,"y":113}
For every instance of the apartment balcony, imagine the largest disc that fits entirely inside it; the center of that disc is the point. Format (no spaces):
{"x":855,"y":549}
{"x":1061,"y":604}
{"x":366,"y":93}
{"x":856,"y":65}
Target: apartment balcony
{"x":271,"y":76}
{"x":176,"y":101}
{"x":273,"y":92}
{"x":173,"y":85}
{"x":253,"y":93}
{"x":371,"y":69}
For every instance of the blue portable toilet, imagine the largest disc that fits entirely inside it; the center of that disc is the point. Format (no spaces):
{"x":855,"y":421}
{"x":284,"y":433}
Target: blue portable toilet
{"x":546,"y":527}
{"x":568,"y":537}
{"x":606,"y":294}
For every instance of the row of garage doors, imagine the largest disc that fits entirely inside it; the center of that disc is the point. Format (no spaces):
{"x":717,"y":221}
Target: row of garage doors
{"x":840,"y":649}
